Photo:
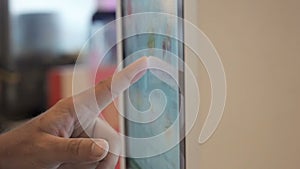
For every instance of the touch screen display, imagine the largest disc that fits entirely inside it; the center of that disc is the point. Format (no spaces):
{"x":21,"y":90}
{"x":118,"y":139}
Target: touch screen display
{"x":155,"y":92}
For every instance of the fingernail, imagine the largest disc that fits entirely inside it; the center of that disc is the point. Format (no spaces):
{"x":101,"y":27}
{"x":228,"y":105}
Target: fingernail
{"x":100,"y":149}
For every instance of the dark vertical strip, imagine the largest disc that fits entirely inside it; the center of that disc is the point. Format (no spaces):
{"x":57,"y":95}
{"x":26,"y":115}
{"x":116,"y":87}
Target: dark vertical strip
{"x":181,"y":52}
{"x":4,"y":48}
{"x":4,"y":33}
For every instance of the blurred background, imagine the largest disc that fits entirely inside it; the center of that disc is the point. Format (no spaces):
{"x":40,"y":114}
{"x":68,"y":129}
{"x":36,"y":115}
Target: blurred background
{"x":39,"y":44}
{"x":258,"y":41}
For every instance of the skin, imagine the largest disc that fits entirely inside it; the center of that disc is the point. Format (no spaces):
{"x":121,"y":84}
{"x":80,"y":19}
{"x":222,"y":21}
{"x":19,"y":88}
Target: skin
{"x":68,"y":136}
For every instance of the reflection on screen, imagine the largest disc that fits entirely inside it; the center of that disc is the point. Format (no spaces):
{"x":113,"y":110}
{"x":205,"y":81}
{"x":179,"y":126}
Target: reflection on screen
{"x":150,"y":86}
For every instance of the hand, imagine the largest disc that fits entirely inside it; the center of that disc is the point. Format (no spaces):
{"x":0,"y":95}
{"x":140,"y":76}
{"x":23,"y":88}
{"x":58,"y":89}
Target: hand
{"x":59,"y":138}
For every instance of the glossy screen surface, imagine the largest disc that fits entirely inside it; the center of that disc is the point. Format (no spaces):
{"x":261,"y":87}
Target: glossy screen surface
{"x":151,"y":93}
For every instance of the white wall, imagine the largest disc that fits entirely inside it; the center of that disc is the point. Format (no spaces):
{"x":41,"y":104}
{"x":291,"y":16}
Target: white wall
{"x":258,"y":41}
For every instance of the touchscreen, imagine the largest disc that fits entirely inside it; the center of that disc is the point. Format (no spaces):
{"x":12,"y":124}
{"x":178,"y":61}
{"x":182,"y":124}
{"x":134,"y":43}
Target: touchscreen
{"x":152,"y":94}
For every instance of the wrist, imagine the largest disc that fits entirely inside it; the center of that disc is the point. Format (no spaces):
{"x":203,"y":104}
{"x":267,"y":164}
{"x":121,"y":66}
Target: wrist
{"x":4,"y":151}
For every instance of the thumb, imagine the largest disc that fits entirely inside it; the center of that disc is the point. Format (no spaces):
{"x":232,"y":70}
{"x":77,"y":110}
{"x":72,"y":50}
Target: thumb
{"x":80,"y":150}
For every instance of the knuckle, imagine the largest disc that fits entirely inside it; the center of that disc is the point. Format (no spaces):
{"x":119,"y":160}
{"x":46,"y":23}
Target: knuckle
{"x":106,"y":85}
{"x":74,"y":147}
{"x":91,"y":146}
{"x":91,"y":156}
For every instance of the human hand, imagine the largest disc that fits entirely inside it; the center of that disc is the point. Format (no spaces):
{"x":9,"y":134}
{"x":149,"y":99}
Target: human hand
{"x":59,"y":138}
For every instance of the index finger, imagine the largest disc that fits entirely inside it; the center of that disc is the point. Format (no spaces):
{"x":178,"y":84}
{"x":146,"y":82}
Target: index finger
{"x":111,"y":88}
{"x":91,"y":102}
